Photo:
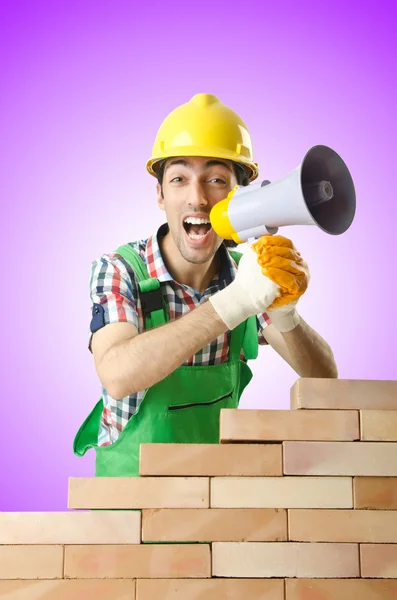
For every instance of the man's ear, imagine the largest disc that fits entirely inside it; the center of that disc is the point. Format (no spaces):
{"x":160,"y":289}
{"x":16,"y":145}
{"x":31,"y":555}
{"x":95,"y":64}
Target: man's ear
{"x":160,"y":199}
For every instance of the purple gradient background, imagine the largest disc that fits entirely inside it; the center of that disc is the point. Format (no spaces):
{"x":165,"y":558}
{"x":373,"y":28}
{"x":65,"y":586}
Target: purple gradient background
{"x":84,"y":87}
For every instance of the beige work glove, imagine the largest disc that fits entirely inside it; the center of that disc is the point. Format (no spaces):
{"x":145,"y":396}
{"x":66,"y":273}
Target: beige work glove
{"x":250,"y":293}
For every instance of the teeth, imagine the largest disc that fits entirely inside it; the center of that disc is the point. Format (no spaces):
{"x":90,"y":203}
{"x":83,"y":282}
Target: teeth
{"x":196,"y":237}
{"x":194,"y":221}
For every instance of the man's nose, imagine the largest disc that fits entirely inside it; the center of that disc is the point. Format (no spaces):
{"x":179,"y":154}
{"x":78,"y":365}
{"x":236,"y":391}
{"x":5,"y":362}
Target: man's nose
{"x":197,"y":195}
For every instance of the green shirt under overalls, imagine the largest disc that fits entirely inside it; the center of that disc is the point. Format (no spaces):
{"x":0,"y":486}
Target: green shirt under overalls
{"x":182,"y":408}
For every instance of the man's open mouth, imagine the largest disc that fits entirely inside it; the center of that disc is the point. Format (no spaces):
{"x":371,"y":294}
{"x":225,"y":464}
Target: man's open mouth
{"x":197,"y":228}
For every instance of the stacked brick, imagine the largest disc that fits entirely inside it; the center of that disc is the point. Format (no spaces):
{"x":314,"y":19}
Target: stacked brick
{"x":296,"y":504}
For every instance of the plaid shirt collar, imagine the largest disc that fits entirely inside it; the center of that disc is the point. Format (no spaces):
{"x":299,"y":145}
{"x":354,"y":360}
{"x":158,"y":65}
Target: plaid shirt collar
{"x":157,"y":268}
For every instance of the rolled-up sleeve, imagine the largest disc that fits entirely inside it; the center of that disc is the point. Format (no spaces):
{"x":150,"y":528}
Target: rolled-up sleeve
{"x":113,"y":293}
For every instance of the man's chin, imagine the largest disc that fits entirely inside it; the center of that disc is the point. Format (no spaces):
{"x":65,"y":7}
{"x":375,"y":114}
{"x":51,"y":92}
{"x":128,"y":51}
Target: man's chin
{"x":197,"y":256}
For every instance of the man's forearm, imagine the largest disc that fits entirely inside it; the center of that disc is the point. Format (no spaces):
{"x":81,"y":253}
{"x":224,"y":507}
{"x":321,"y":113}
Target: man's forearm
{"x":151,"y":356}
{"x":310,"y":353}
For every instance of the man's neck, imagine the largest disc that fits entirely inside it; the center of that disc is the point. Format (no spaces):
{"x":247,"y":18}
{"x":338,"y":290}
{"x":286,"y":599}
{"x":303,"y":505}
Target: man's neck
{"x":196,"y":276}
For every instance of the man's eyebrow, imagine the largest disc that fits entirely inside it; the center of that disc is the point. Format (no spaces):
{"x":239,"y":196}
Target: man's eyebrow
{"x":178,"y":161}
{"x":214,"y":163}
{"x":209,"y":163}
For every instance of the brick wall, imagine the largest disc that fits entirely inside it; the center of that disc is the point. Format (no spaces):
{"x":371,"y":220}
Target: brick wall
{"x":296,"y":504}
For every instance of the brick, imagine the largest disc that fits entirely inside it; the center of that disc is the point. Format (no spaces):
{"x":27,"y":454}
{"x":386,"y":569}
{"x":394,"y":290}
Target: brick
{"x":237,"y":425}
{"x":138,"y":492}
{"x":379,"y":560}
{"x":211,"y":459}
{"x":31,"y":562}
{"x":339,"y":589}
{"x":121,"y":527}
{"x":378,"y":425}
{"x":284,"y":559}
{"x":342,"y":526}
{"x":68,"y":589}
{"x":210,"y":589}
{"x":144,"y":561}
{"x":340,"y":458}
{"x":375,"y":492}
{"x":214,"y":525}
{"x":281,"y":492}
{"x":344,"y":394}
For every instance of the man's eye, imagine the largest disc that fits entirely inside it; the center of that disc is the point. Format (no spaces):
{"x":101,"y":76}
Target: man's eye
{"x":175,"y":179}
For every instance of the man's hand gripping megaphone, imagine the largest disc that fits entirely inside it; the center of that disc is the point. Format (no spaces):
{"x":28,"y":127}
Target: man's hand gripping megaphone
{"x":271,"y":278}
{"x":284,"y":266}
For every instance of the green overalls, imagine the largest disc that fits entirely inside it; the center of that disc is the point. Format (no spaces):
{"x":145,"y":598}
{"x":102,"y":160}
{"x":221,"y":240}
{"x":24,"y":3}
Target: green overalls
{"x":182,"y":408}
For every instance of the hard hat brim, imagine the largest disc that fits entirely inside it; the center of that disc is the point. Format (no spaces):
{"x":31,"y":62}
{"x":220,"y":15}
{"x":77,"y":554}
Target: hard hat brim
{"x":152,"y":165}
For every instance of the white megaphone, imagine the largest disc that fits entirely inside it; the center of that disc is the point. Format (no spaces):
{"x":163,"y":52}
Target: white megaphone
{"x":319,"y":192}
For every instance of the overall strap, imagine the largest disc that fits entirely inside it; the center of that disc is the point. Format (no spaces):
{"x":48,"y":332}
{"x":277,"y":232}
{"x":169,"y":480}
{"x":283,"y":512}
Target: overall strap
{"x":246,"y":334}
{"x":153,"y":304}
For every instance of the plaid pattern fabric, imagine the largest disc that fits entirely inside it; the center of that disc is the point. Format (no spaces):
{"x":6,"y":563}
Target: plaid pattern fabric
{"x":113,"y":292}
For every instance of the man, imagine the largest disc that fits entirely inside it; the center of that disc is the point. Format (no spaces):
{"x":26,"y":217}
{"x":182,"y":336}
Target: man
{"x":175,"y":318}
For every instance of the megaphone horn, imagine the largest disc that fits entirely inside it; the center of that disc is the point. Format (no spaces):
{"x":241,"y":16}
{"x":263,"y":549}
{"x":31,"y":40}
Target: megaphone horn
{"x":319,"y":192}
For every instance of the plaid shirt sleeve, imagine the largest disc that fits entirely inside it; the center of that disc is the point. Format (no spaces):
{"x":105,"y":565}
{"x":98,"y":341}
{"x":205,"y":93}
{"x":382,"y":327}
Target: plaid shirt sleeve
{"x":113,"y":293}
{"x":262,"y":321}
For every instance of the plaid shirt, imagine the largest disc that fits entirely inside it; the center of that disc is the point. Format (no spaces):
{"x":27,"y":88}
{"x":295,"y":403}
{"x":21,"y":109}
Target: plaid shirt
{"x":113,"y":291}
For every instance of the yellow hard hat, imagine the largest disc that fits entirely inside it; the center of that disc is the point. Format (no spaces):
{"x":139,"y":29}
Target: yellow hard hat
{"x":204,"y":127}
